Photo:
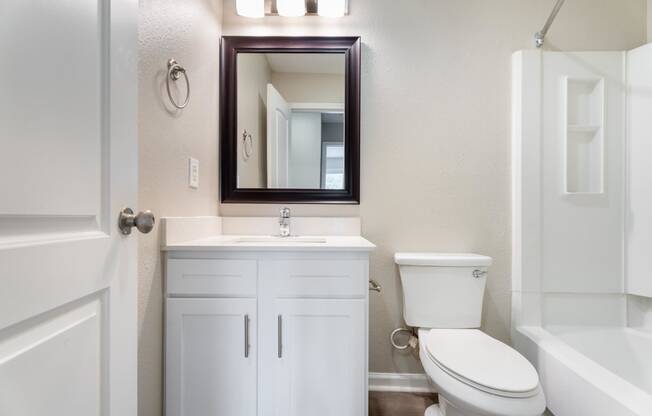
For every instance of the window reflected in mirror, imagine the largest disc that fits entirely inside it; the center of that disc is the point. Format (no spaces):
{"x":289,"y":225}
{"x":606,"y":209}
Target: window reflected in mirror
{"x":290,"y":121}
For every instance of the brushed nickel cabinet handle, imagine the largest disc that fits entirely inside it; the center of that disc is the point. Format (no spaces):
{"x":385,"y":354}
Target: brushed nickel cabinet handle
{"x":246,"y":336}
{"x":280,"y":337}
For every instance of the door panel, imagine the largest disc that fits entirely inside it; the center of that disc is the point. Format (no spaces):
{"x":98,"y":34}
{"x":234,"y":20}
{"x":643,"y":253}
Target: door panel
{"x":50,"y":115}
{"x":67,"y":167}
{"x":58,"y":360}
{"x":207,"y":372}
{"x":319,"y":371}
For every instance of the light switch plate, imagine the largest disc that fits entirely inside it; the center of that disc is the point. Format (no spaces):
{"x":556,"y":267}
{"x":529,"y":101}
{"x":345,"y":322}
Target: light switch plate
{"x":193,"y":173}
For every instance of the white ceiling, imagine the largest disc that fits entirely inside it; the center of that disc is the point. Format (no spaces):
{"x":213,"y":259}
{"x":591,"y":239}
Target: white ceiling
{"x":307,"y":63}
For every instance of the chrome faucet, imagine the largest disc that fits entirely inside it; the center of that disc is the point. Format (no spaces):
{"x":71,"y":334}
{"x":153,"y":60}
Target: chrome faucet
{"x":284,"y":222}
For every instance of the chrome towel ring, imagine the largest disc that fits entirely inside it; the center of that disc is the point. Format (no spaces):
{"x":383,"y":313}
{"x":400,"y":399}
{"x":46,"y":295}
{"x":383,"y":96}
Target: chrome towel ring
{"x":174,"y":73}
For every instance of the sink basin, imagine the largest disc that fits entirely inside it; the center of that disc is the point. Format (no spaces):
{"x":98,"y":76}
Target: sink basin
{"x":279,"y":240}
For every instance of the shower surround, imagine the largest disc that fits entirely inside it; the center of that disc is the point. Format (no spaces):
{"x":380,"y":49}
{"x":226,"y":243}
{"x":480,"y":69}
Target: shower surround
{"x":582,"y":227}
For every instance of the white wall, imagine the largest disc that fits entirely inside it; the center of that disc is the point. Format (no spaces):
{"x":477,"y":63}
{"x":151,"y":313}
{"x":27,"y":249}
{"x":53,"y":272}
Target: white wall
{"x":436,"y":129}
{"x":189,"y":31}
{"x":305,"y":150}
{"x":254,"y":74}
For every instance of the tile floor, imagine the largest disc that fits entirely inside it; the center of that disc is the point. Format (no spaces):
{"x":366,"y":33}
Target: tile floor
{"x":399,"y":404}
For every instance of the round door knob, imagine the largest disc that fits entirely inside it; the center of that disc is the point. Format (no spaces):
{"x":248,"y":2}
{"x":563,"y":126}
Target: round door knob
{"x":144,"y":221}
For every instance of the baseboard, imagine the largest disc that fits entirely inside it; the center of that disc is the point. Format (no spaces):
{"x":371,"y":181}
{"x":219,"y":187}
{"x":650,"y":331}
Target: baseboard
{"x":400,"y":382}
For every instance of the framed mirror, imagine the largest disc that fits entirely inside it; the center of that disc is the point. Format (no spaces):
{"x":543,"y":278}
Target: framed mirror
{"x":290,"y":119}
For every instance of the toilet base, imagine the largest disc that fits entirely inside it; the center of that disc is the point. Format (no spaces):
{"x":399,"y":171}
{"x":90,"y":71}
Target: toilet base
{"x":445,"y":408}
{"x":433,"y":410}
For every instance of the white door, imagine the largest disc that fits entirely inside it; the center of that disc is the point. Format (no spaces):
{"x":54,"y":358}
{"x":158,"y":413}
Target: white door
{"x":317,"y":367}
{"x":67,"y":167}
{"x":278,"y":139}
{"x":211,"y":357}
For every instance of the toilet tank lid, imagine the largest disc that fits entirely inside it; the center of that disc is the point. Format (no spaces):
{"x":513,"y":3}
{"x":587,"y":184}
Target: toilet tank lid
{"x":442,"y":259}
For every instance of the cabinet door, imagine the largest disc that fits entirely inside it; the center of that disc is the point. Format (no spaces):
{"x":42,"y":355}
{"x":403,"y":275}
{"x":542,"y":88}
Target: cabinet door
{"x":210,"y":369}
{"x":318,"y":364}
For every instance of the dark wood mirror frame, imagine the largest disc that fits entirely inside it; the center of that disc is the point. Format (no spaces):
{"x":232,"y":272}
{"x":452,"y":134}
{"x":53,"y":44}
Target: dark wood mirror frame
{"x":230,"y":47}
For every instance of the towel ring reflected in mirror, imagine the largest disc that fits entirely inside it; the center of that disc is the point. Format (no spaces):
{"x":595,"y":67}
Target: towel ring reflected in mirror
{"x":175,"y":71}
{"x":247,"y":145}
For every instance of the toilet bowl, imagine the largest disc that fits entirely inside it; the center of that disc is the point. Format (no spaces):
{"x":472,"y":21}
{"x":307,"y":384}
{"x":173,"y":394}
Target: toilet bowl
{"x":473,"y":373}
{"x":476,"y":375}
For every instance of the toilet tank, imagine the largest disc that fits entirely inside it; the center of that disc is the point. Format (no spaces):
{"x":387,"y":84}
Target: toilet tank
{"x":442,"y":290}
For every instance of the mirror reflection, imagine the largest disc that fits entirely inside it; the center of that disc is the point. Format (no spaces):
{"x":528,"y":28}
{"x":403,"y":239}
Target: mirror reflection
{"x":290,"y":119}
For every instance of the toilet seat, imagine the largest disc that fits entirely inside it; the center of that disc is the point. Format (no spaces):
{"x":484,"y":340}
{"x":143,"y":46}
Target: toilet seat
{"x":482,"y":362}
{"x":468,"y":400}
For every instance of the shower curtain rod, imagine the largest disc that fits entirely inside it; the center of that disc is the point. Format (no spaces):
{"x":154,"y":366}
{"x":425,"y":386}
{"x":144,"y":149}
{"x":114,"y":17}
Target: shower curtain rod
{"x":540,"y":36}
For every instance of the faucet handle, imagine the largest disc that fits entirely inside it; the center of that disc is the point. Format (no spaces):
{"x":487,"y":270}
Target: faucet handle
{"x":285,"y":212}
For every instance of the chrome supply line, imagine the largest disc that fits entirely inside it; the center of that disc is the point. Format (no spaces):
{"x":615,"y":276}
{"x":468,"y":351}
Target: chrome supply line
{"x":540,"y":36}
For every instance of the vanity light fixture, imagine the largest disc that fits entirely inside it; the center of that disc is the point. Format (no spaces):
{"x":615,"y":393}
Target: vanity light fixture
{"x":331,"y":8}
{"x":250,"y":8}
{"x":291,"y":8}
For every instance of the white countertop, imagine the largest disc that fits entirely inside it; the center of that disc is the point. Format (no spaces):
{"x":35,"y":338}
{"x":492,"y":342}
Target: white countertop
{"x":271,"y":243}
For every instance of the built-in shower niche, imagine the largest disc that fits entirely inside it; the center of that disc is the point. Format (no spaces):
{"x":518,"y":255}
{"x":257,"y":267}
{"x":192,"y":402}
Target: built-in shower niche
{"x":584,"y":100}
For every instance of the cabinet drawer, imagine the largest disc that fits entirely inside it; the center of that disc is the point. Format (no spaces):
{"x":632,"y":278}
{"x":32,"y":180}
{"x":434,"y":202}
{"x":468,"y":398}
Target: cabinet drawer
{"x":211,"y":277}
{"x":315,"y":278}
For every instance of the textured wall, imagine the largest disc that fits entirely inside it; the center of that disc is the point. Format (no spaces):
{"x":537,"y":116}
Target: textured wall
{"x":649,"y":20}
{"x":254,"y":74}
{"x":189,"y":31}
{"x":436,"y":128}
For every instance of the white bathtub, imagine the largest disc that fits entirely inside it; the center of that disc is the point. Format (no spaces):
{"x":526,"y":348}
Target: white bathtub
{"x":591,"y":371}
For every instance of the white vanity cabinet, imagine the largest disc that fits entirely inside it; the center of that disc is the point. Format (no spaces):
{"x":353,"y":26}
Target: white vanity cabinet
{"x":319,"y":365}
{"x":266,"y":333}
{"x":210,"y":370}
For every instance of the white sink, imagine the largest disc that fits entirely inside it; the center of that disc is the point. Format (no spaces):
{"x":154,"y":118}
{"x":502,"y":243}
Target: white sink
{"x":278,"y":240}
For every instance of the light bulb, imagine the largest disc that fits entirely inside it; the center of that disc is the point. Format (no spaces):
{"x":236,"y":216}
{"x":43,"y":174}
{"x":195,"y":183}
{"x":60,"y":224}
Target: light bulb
{"x":331,"y":8}
{"x":291,"y":8}
{"x":250,"y":8}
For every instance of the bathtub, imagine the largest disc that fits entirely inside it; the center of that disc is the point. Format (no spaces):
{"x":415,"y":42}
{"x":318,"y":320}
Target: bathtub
{"x":591,"y":371}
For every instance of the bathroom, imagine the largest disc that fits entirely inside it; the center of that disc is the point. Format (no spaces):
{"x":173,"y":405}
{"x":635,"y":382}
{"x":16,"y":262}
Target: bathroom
{"x":438,"y":120}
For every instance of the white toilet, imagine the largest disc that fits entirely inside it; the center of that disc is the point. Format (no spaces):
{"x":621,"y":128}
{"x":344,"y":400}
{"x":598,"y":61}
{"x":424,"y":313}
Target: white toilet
{"x":474,"y":374}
